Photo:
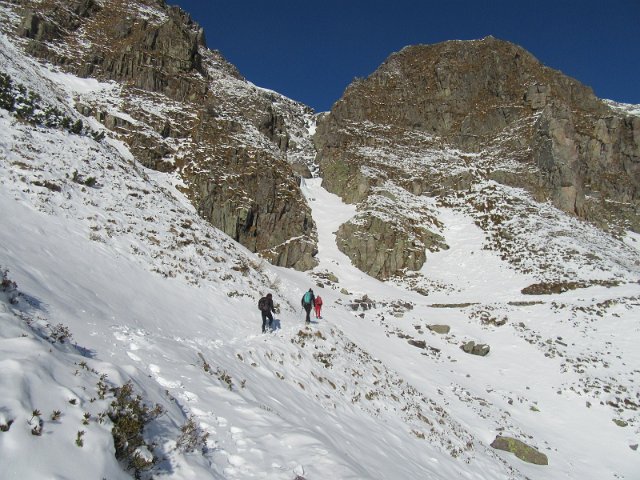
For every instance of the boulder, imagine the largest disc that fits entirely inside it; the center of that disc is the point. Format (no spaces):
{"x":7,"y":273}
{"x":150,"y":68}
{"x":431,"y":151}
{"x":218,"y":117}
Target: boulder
{"x":301,"y":169}
{"x":472,"y":348}
{"x":418,"y":343}
{"x":520,"y":449}
{"x":441,"y":329}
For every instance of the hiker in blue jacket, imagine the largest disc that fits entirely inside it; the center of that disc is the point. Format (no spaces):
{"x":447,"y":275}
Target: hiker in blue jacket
{"x":308,"y":302}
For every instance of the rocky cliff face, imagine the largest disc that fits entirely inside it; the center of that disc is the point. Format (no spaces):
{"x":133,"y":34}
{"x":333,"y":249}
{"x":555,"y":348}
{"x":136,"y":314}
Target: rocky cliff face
{"x":444,"y":118}
{"x":183,"y":108}
{"x":145,"y":43}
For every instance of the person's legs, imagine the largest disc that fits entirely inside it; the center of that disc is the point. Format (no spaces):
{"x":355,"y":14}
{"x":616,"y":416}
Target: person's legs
{"x":270,"y":317}
{"x":307,"y":309}
{"x":264,"y":321}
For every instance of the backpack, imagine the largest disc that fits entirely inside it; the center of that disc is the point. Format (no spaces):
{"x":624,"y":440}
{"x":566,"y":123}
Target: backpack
{"x":307,"y":298}
{"x":262,"y":303}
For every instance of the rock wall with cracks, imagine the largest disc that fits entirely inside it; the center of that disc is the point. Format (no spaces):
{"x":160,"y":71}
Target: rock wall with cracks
{"x":492,"y":108}
{"x":182,"y":108}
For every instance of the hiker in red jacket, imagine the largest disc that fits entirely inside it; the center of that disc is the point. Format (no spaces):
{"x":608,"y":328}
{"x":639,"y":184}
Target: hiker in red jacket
{"x":318,"y":306}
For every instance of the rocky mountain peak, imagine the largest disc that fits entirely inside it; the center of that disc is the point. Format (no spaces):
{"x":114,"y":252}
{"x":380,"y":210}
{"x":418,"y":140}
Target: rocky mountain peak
{"x":446,"y":118}
{"x":465,"y":91}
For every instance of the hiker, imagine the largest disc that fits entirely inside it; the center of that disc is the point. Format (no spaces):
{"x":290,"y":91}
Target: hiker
{"x":308,"y":301}
{"x":266,"y":308}
{"x":318,"y":305}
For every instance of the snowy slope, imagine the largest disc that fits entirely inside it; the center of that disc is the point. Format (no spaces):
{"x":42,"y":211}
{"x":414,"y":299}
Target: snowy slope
{"x":549,"y":376}
{"x":146,"y":292}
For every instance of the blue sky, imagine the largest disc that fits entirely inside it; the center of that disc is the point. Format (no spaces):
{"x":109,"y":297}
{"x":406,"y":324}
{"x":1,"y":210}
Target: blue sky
{"x":311,"y":51}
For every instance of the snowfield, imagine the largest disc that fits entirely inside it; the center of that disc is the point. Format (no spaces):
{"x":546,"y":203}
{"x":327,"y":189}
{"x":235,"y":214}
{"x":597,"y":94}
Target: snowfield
{"x":115,"y":285}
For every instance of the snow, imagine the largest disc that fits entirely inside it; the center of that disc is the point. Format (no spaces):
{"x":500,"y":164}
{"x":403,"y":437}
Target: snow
{"x":148,"y":292}
{"x":627,"y":108}
{"x":76,"y":84}
{"x":470,"y":267}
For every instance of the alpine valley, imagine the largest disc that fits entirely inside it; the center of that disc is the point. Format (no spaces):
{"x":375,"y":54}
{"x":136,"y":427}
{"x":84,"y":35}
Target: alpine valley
{"x":470,"y":217}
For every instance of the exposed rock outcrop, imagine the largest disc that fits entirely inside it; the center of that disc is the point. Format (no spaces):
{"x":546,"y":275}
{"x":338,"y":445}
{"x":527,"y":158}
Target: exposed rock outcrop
{"x":274,"y":208}
{"x":383,"y":248}
{"x":116,"y":41}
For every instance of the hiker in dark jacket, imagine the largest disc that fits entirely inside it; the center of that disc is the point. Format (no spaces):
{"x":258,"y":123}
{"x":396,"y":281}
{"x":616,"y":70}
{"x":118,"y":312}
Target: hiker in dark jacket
{"x":266,"y":308}
{"x":308,"y":301}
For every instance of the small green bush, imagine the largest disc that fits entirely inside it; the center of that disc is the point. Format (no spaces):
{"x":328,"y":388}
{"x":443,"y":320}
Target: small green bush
{"x":129,"y":416}
{"x":191,"y":437}
{"x":76,"y":127}
{"x":59,"y":333}
{"x":89,"y":181}
{"x":97,"y":136}
{"x":7,"y":99}
{"x":28,"y":106}
{"x":101,"y":386}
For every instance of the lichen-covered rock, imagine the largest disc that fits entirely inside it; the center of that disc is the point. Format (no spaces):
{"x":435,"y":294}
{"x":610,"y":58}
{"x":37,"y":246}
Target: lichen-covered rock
{"x":520,"y":449}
